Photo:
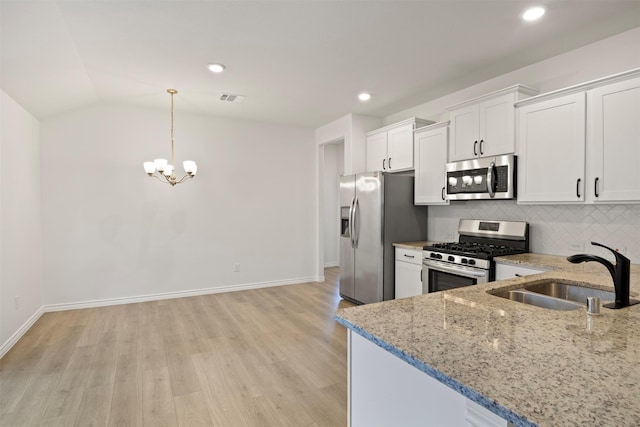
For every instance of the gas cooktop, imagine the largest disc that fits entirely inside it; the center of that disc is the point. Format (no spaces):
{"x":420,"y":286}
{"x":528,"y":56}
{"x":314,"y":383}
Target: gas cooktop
{"x":475,"y":249}
{"x":484,"y":240}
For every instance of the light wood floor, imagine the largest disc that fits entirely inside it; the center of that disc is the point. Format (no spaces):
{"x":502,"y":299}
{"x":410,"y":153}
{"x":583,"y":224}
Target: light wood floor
{"x":264,"y":357}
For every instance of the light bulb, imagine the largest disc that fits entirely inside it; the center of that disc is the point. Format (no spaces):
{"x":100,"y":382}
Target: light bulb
{"x":533,"y":14}
{"x":168,"y":170}
{"x":149,"y":167}
{"x":160,"y":164}
{"x":189,"y":165}
{"x":216,"y":68}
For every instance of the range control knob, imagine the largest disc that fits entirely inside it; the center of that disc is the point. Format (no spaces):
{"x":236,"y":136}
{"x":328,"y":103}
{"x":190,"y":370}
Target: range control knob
{"x":464,"y":261}
{"x":472,"y":262}
{"x":451,"y":258}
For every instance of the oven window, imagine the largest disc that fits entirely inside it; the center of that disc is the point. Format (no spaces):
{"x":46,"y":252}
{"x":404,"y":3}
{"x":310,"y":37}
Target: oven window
{"x":441,"y":281}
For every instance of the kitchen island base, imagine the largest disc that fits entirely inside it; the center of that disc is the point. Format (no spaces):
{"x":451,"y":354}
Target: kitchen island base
{"x":387,"y":391}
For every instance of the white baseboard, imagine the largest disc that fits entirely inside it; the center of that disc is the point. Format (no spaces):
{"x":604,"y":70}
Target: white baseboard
{"x":331,"y":264}
{"x":179,"y":294}
{"x":20,"y":332}
{"x":143,"y":298}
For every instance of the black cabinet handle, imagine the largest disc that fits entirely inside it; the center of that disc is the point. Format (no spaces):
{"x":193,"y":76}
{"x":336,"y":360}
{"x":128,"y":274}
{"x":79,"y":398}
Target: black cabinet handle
{"x":443,"y":193}
{"x":595,"y":187}
{"x":389,"y":163}
{"x":481,"y":141}
{"x":383,"y":160}
{"x":475,"y":148}
{"x":578,"y":187}
{"x":409,"y":256}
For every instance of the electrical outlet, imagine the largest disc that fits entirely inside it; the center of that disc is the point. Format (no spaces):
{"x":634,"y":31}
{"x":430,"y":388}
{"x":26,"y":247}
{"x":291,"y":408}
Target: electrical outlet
{"x":16,"y":302}
{"x":236,"y":267}
{"x":576,"y":247}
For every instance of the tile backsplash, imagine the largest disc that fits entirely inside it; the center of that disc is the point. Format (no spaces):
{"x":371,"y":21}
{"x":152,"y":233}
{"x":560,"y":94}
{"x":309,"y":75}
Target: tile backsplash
{"x":554,"y":229}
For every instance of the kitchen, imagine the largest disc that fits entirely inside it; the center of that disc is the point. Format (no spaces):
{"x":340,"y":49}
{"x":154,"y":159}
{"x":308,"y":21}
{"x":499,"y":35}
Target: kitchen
{"x":142,"y":249}
{"x":488,"y":362}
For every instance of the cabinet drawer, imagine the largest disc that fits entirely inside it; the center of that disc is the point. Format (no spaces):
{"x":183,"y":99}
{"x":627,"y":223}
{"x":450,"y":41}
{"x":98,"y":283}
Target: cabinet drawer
{"x":509,"y":271}
{"x":414,"y":256}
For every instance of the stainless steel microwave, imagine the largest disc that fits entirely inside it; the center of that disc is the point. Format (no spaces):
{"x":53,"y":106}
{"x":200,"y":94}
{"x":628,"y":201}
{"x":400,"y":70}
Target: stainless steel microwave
{"x":483,"y":178}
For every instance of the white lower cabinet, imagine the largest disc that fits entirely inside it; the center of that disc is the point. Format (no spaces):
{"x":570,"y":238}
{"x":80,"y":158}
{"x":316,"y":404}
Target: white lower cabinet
{"x":386,"y":391}
{"x":509,"y":271}
{"x":408,"y":275}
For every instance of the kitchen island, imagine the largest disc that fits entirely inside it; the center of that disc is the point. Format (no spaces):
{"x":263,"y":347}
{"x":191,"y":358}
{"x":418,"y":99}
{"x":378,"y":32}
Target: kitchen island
{"x":530,"y":366}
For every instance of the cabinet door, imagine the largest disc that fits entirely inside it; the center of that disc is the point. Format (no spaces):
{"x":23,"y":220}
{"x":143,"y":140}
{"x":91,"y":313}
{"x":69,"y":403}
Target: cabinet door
{"x":613,"y":147}
{"x":377,"y":152}
{"x":464,"y":133}
{"x":430,"y":158}
{"x":408,"y":279}
{"x":497,"y":126}
{"x":551,"y":146}
{"x":400,"y":148}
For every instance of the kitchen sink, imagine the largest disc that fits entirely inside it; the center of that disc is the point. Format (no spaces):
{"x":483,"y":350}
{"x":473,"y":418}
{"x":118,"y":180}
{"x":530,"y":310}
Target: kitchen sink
{"x":538,"y":300}
{"x":569,"y":291}
{"x":555,"y":294}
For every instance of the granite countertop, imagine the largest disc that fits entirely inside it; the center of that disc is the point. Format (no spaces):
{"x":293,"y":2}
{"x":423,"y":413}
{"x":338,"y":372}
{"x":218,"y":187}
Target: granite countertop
{"x":413,"y":245}
{"x":532,"y":366}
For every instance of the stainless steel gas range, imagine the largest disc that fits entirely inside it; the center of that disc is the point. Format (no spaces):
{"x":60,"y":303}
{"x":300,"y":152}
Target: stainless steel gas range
{"x":470,"y":260}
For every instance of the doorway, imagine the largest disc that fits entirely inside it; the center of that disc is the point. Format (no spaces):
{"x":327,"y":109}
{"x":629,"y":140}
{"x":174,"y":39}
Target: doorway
{"x":333,"y":168}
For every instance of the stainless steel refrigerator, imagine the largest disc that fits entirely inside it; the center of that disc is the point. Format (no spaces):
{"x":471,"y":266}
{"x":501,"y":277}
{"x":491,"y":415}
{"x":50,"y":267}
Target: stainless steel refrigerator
{"x":376,"y":210}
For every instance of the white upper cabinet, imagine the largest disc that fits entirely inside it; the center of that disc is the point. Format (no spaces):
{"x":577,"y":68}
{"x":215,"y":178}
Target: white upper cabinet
{"x":430,"y":148}
{"x":551,"y":140}
{"x":400,"y":147}
{"x":377,"y":152}
{"x":485,"y":126}
{"x":581,"y":144}
{"x":390,"y":149}
{"x":613,"y":142}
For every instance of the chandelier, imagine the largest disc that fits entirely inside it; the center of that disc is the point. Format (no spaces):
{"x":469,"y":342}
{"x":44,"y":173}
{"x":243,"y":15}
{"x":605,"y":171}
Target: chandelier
{"x":165,"y":172}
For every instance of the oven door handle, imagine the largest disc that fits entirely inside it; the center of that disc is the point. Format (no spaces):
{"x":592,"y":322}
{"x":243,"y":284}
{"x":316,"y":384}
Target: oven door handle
{"x":454,"y":270}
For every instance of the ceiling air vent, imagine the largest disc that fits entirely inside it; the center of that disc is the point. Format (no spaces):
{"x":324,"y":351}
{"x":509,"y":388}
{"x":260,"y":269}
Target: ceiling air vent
{"x":232,"y":98}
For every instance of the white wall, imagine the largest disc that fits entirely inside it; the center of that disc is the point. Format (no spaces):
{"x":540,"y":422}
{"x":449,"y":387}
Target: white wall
{"x":333,"y":168}
{"x":603,"y":58}
{"x":112,"y":232}
{"x":21,"y":272}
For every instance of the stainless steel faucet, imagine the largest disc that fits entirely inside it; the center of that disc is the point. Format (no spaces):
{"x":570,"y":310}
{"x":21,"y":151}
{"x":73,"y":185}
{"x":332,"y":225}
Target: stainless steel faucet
{"x":620,"y":273}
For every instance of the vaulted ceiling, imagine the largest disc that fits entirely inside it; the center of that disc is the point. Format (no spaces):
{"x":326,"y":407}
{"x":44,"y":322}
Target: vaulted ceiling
{"x":297,"y":62}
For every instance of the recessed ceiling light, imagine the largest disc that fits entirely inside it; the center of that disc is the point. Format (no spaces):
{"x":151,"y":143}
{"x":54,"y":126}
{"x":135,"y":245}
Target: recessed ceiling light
{"x":216,"y":68}
{"x":364,"y":96}
{"x":533,"y":14}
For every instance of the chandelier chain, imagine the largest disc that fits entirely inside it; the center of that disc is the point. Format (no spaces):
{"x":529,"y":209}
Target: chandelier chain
{"x":172,"y":92}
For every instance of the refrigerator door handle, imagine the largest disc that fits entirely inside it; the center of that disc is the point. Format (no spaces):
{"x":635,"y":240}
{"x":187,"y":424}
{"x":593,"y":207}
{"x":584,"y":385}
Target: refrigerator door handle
{"x":351,"y":222}
{"x":356,"y":231}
